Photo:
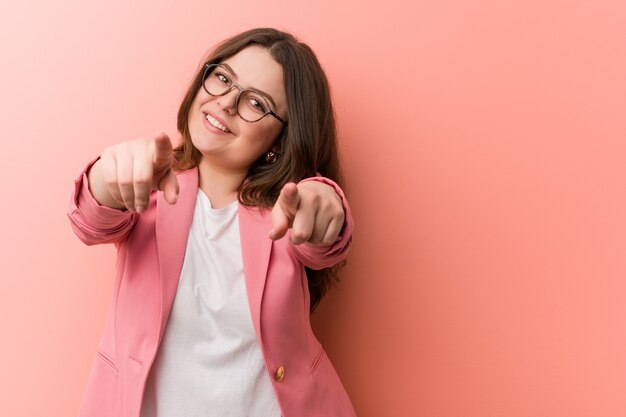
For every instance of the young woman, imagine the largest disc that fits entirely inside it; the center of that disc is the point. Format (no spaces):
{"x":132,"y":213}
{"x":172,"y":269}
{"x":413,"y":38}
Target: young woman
{"x":225,"y":244}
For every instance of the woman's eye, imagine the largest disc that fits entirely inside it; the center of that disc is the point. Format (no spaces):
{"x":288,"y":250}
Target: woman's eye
{"x":224,"y":79}
{"x":256,"y":104}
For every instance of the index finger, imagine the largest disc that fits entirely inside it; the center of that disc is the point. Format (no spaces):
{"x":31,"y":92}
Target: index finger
{"x":284,"y":210}
{"x":162,"y":149}
{"x":289,"y":200}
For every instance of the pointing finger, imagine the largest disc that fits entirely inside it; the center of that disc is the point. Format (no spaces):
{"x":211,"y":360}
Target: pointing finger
{"x":280,"y":223}
{"x":284,"y":210}
{"x":289,"y":200}
{"x":162,"y":149}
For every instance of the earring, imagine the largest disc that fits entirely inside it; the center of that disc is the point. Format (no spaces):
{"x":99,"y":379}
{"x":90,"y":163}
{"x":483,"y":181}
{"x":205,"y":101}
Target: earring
{"x":271,"y":157}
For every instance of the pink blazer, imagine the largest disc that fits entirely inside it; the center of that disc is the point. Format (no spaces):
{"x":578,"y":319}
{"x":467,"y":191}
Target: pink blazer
{"x":150,"y":252}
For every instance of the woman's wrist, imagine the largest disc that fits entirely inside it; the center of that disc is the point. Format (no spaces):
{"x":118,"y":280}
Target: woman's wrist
{"x":98,"y":187}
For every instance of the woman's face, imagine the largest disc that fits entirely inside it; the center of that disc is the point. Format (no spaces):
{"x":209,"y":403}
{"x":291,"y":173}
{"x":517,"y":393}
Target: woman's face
{"x":224,"y":139}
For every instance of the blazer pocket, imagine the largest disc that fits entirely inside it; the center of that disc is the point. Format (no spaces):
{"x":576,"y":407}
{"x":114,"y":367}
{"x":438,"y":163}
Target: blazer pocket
{"x":317,"y":360}
{"x":107,"y":359}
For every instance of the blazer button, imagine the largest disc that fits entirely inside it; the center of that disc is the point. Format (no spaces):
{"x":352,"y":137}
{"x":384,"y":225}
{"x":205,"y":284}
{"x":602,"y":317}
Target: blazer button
{"x":280,"y":374}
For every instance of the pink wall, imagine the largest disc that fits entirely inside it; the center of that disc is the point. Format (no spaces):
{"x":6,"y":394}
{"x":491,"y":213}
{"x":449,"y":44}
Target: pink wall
{"x":484,"y":143}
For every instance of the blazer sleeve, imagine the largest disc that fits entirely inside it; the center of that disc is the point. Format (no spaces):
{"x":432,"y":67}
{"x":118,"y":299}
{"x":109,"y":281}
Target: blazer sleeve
{"x":319,"y":256}
{"x":93,"y":223}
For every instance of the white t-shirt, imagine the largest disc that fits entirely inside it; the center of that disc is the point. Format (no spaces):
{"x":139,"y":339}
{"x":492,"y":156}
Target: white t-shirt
{"x":209,"y":363}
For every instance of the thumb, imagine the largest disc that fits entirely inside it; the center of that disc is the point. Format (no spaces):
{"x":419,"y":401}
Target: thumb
{"x":169,"y":186}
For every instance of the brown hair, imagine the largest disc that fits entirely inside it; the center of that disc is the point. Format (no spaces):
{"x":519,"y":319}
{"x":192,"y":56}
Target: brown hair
{"x":307,"y":145}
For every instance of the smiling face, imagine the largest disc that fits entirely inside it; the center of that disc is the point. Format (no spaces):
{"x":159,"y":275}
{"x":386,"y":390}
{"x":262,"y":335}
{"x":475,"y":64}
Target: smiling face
{"x":224,"y":139}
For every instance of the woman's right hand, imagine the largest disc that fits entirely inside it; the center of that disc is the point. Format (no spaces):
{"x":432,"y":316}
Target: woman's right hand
{"x":126,"y":173}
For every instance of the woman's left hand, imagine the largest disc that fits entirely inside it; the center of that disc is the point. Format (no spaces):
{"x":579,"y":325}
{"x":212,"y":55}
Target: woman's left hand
{"x":312,"y":210}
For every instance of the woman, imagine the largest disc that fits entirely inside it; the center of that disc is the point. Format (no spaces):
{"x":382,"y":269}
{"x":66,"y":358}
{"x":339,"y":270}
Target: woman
{"x":225,"y":244}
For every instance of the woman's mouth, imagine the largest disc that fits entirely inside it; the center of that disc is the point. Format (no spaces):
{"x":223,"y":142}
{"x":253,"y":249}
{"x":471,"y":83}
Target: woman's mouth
{"x":216,"y":124}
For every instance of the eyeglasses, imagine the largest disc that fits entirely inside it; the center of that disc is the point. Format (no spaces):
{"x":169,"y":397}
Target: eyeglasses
{"x":251,"y":104}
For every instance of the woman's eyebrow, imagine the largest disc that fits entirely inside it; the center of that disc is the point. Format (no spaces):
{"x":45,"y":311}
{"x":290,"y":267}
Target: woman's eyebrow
{"x":263,"y":93}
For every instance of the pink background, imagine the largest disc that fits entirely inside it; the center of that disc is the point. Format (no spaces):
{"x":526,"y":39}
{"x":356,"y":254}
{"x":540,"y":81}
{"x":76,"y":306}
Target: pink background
{"x":484,"y":144}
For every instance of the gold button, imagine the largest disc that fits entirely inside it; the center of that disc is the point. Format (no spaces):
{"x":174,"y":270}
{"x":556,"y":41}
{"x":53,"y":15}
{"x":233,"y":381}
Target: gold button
{"x":280,"y":374}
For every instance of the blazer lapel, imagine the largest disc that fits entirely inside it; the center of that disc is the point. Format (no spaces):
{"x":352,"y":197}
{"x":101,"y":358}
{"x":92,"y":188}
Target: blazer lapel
{"x":172,"y":232}
{"x":256,"y":247}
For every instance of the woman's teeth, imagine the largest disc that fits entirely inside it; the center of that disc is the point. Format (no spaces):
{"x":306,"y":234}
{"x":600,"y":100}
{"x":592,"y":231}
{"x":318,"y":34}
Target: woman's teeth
{"x":216,"y":124}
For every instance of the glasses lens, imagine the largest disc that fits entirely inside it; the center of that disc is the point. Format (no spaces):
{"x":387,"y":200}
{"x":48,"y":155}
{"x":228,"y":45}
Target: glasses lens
{"x":252,"y":106}
{"x":217,"y":82}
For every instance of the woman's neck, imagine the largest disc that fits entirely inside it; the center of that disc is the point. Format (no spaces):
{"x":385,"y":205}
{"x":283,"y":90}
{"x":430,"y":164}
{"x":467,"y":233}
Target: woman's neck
{"x":222,"y":187}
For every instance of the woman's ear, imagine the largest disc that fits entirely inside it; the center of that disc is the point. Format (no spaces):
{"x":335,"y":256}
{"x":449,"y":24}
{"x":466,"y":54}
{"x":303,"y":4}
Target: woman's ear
{"x":277,"y":145}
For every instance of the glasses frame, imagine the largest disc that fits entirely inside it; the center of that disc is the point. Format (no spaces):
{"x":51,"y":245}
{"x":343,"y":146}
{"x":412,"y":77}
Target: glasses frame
{"x":208,"y":68}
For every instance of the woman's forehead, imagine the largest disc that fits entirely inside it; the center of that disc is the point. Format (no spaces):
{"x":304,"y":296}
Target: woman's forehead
{"x":254,"y":67}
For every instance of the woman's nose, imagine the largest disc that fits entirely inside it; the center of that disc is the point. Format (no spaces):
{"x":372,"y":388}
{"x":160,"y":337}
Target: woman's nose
{"x":228,"y":101}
